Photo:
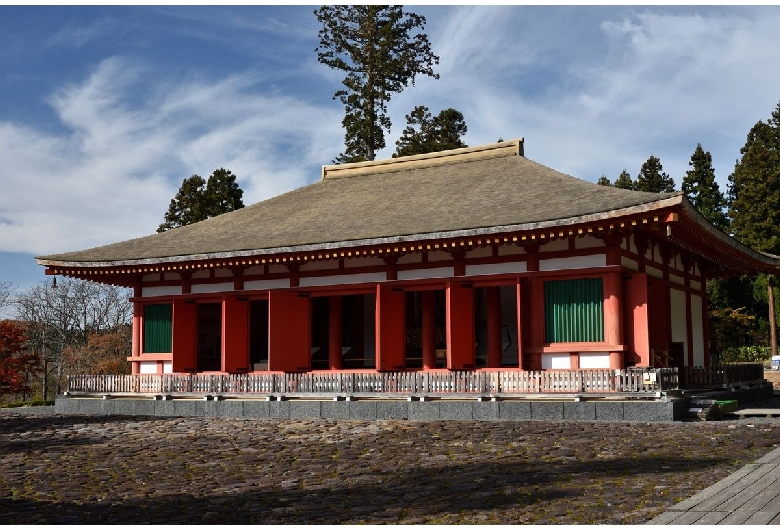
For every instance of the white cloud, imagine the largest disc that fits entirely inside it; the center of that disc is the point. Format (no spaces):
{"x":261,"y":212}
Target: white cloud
{"x":595,"y":90}
{"x":129,"y":144}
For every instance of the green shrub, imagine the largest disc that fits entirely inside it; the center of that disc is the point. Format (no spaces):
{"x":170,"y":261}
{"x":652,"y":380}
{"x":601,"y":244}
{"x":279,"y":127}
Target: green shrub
{"x":746,"y":354}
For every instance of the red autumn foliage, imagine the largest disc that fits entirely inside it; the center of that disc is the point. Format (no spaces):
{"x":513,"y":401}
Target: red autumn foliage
{"x":104,"y":353}
{"x":16,"y":362}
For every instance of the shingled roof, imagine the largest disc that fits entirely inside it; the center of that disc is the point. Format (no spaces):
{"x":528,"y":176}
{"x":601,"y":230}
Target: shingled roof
{"x":463,"y":192}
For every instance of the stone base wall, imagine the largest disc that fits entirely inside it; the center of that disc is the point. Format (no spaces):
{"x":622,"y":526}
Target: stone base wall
{"x":606,"y":410}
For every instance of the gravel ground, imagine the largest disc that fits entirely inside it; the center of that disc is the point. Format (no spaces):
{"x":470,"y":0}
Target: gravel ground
{"x":132,"y":470}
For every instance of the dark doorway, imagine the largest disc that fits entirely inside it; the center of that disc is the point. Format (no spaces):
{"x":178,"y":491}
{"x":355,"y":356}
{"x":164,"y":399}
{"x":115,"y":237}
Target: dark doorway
{"x":320,"y":318}
{"x":258,"y":335}
{"x":210,"y":337}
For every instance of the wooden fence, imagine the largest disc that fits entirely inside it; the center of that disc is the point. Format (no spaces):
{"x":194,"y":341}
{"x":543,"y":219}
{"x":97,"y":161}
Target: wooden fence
{"x":484,"y":382}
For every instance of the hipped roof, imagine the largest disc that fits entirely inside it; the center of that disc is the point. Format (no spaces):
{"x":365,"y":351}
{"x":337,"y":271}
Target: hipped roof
{"x":464,"y":192}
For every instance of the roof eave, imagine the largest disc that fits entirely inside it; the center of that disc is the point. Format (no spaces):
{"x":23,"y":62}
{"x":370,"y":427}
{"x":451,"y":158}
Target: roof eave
{"x":665,"y":203}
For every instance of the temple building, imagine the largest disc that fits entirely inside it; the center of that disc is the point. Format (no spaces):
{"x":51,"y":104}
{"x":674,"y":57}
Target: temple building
{"x":475,"y":258}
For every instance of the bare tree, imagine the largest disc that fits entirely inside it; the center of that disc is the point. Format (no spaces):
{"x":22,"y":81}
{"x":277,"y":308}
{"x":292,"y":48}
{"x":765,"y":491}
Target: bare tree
{"x":64,"y":315}
{"x":7,"y":292}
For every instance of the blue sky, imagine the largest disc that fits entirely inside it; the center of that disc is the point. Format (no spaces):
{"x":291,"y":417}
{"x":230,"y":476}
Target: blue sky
{"x":104,"y":110}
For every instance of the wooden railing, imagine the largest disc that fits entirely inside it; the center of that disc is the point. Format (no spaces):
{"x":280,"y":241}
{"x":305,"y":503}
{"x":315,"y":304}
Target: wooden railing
{"x":648,"y":380}
{"x":720,"y":376}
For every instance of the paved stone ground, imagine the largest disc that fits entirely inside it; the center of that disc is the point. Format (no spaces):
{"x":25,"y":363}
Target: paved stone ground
{"x":80,"y":469}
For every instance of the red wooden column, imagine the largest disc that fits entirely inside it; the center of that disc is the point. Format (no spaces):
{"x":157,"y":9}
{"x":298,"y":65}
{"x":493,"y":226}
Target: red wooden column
{"x":705,"y":318}
{"x":613,"y":316}
{"x":138,"y":313}
{"x":185,"y":354}
{"x":636,"y":317}
{"x":494,"y":327}
{"x":334,"y":333}
{"x":536,"y":326}
{"x":460,"y":326}
{"x":688,"y":308}
{"x":235,"y":335}
{"x":390,"y":328}
{"x":429,"y":330}
{"x":534,"y":305}
{"x":289,"y":334}
{"x":520,"y":336}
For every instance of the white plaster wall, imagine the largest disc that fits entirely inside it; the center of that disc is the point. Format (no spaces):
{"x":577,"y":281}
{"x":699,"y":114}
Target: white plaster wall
{"x":375,"y":261}
{"x":261,"y":285}
{"x":319,"y":266}
{"x":679,"y":321}
{"x":148,"y":367}
{"x":510,"y":250}
{"x":417,"y":274}
{"x":556,"y":361}
{"x":211,"y":287}
{"x":588,"y":242}
{"x":629,"y":263}
{"x":496,"y":268}
{"x":696,"y":285}
{"x":576,"y":262}
{"x":223,"y":273}
{"x":655,"y":273}
{"x":480,"y":252}
{"x":677,"y":279}
{"x":201,"y":275}
{"x":168,"y":367}
{"x":555,"y":245}
{"x":439,"y":255}
{"x":698,"y":330}
{"x":594,"y":360}
{"x":369,"y":277}
{"x":161,"y":290}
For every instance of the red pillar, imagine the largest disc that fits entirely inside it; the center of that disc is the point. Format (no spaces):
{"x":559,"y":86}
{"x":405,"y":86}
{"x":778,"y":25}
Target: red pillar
{"x":138,"y":312}
{"x":460,"y":326}
{"x":519,"y":299}
{"x":636,"y":317}
{"x":494,"y":327}
{"x":334,"y":333}
{"x":429,"y":330}
{"x":613,"y":317}
{"x":235,"y":335}
{"x":289,"y":333}
{"x":390,"y":328}
{"x":185,"y":355}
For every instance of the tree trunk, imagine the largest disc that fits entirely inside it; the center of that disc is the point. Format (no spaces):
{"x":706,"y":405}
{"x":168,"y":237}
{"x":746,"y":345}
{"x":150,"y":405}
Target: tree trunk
{"x":772,"y":322}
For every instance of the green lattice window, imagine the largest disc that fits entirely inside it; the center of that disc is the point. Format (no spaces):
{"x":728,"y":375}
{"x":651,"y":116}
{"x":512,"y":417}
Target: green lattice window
{"x":158,"y":328}
{"x":574,"y":310}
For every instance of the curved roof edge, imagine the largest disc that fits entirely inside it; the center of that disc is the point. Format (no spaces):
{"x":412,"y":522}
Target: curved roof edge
{"x":664,"y":203}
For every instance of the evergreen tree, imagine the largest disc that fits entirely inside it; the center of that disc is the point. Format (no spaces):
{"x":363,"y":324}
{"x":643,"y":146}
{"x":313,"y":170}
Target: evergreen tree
{"x":382,"y":49}
{"x":624,"y":181}
{"x":701,"y":188}
{"x":652,"y":177}
{"x":427,"y":134}
{"x":223,"y":194}
{"x":754,"y":188}
{"x":198,"y":200}
{"x":754,"y":200}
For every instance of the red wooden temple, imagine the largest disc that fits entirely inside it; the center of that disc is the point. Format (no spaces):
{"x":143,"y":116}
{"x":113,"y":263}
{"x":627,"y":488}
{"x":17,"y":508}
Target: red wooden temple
{"x":470,"y":259}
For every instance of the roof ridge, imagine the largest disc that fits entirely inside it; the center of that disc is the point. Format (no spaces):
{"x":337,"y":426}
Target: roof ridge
{"x":482,"y":152}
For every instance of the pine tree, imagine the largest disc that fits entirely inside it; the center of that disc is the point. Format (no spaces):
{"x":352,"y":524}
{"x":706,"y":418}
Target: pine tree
{"x":382,"y":49}
{"x":754,"y":199}
{"x":604,"y":181}
{"x":427,"y":134}
{"x":701,"y":188}
{"x":624,"y":181}
{"x":652,"y":177}
{"x":197,"y":200}
{"x":754,"y":188}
